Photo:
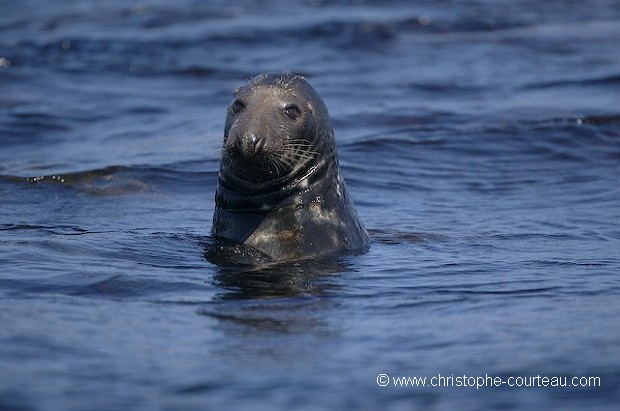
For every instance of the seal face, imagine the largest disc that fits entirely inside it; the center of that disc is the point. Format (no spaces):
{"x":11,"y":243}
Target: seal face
{"x":280,"y":190}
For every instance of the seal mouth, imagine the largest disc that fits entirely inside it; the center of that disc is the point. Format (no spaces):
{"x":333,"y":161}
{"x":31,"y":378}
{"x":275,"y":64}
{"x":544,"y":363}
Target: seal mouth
{"x":255,"y":163}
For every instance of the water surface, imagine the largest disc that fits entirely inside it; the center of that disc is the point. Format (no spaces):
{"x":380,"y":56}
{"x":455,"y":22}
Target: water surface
{"x":480,"y":142}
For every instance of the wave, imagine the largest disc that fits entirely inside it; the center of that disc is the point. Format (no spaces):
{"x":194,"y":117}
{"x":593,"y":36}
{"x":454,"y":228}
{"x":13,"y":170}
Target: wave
{"x":604,"y":81}
{"x":119,"y":180}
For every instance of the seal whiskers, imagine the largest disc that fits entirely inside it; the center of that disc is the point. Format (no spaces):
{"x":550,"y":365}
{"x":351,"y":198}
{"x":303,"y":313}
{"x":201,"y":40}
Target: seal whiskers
{"x":296,"y":151}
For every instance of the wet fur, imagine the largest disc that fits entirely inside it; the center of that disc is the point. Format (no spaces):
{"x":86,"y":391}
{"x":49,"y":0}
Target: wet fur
{"x":280,"y":190}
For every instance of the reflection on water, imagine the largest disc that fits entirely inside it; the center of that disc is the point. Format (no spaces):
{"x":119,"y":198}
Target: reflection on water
{"x":258,"y":305}
{"x":255,"y":278}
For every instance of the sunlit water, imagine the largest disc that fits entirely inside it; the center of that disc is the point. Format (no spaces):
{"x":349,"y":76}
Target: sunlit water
{"x":480,"y":142}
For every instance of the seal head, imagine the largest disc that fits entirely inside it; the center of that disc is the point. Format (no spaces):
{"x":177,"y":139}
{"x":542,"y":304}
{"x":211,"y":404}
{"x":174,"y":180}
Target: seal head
{"x":280,"y":190}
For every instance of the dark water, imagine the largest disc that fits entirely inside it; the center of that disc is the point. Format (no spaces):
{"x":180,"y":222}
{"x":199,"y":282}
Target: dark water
{"x":480,"y":141}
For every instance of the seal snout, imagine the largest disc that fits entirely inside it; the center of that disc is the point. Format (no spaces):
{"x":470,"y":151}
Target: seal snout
{"x":246,"y":145}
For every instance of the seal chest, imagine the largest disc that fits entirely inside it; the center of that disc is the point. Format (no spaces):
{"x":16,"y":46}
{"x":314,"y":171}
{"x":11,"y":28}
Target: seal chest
{"x":279,"y":189}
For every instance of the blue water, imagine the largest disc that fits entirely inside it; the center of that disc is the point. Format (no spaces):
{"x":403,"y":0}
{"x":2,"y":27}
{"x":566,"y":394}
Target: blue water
{"x":480,"y":141}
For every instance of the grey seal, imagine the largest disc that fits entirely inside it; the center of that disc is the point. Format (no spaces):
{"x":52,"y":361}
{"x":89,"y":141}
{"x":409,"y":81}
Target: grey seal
{"x":280,"y":190}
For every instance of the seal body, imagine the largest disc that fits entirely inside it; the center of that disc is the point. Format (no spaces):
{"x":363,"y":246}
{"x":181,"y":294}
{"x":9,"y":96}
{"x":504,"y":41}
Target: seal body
{"x":280,"y":190}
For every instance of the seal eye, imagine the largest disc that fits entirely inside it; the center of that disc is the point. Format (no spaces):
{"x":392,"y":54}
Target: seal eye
{"x":237,"y":106}
{"x":292,"y":112}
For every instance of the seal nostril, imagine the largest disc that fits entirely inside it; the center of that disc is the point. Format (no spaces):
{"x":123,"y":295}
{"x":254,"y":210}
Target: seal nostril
{"x":238,"y":144}
{"x":257,"y":142}
{"x":234,"y":146}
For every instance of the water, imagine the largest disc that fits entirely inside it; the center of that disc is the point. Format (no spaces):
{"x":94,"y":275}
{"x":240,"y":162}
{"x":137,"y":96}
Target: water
{"x":480,"y":142}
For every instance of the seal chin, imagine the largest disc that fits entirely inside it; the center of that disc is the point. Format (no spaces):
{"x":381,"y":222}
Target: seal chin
{"x":254,"y":172}
{"x":255,"y":169}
